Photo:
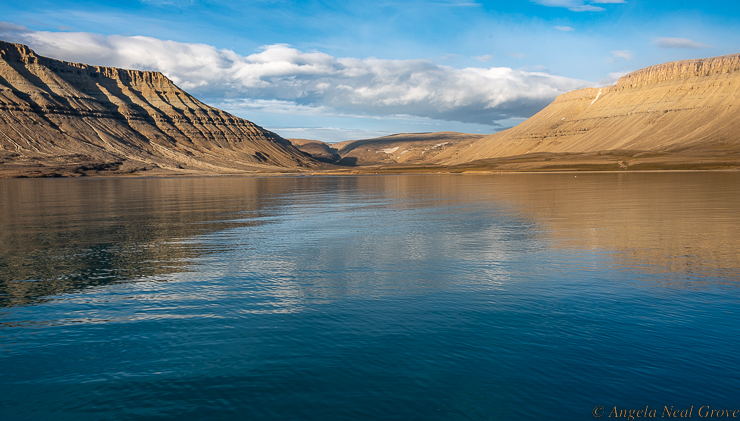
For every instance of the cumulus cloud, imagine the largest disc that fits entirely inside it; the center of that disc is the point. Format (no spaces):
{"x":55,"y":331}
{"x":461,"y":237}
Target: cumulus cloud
{"x":275,"y":106}
{"x":578,"y":5}
{"x":328,"y":134}
{"x":666,"y":42}
{"x":283,"y":77}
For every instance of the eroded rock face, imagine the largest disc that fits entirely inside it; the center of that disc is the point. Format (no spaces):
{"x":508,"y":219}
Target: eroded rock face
{"x":680,"y":70}
{"x":58,"y":113}
{"x":682,"y":106}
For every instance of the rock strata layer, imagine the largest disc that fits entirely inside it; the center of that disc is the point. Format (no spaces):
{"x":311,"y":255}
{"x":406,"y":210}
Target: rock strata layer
{"x":77,"y":117}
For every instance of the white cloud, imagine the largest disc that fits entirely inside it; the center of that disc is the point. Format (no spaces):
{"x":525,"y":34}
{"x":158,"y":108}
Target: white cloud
{"x":7,"y":27}
{"x":484,"y":59}
{"x":586,"y":8}
{"x":285,"y":78}
{"x":275,"y":106}
{"x":625,"y":54}
{"x":578,"y":5}
{"x":613,"y":78}
{"x":326,"y":134}
{"x":666,"y":42}
{"x":564,"y":28}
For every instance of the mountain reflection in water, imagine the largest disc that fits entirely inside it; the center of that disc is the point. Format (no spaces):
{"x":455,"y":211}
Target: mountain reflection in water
{"x":376,"y":297}
{"x":59,"y":236}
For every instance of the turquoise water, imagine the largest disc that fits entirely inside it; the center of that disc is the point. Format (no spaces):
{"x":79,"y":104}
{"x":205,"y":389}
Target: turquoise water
{"x":433,"y":297}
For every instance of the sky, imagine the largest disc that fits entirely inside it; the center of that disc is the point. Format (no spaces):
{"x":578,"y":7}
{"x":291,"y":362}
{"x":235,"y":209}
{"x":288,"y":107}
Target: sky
{"x":341,"y":70}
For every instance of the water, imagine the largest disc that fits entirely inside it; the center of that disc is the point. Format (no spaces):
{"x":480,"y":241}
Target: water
{"x":451,"y":297}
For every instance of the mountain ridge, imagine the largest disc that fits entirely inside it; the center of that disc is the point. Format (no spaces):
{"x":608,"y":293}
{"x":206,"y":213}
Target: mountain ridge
{"x":60,"y":118}
{"x":669,"y":108}
{"x":56,"y":112}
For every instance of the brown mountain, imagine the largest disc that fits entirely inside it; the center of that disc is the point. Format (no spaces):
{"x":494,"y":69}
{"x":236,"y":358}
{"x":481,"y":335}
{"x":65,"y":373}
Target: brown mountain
{"x":322,"y":151}
{"x":683,"y":114}
{"x":405,"y":148}
{"x":61,"y":118}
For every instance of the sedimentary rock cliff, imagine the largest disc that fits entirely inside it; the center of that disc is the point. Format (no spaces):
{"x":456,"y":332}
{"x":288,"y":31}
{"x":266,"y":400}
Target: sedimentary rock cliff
{"x":65,"y":115}
{"x":680,"y":107}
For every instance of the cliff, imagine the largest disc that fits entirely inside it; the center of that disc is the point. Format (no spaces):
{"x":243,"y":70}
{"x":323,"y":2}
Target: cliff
{"x":685,"y":109}
{"x":62,"y":117}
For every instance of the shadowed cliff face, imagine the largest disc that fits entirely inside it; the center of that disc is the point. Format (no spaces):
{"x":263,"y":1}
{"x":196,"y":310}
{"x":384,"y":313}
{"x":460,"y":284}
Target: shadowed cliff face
{"x":58,"y":113}
{"x":685,"y":109}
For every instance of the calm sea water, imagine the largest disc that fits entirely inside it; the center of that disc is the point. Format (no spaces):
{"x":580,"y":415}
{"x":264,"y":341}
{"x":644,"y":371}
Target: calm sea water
{"x":451,"y":297}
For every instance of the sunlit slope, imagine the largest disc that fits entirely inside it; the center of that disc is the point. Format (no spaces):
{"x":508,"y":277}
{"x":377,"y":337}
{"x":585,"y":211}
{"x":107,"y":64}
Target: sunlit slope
{"x":684,"y":105}
{"x":59,"y":113}
{"x":405,"y":148}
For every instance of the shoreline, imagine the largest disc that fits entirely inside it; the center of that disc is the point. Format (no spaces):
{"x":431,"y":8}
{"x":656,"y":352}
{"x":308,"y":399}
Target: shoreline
{"x":352,"y":173}
{"x":619,"y":161}
{"x":609,"y":161}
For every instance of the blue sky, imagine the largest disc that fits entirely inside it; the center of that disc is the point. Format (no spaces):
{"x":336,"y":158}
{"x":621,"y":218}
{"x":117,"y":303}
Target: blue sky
{"x":337,"y":70}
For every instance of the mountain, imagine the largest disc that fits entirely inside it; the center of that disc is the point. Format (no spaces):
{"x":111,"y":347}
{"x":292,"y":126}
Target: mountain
{"x":405,"y":148}
{"x":321,"y":151}
{"x":682,"y":114}
{"x":62,"y":118}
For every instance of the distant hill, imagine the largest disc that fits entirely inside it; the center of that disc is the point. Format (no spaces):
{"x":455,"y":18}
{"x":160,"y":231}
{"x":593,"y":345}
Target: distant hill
{"x":405,"y":148}
{"x":684,"y":114}
{"x":324,"y":152}
{"x":61,"y":118}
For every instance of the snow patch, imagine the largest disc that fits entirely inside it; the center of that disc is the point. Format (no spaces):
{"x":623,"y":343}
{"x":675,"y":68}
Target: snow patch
{"x":597,"y":97}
